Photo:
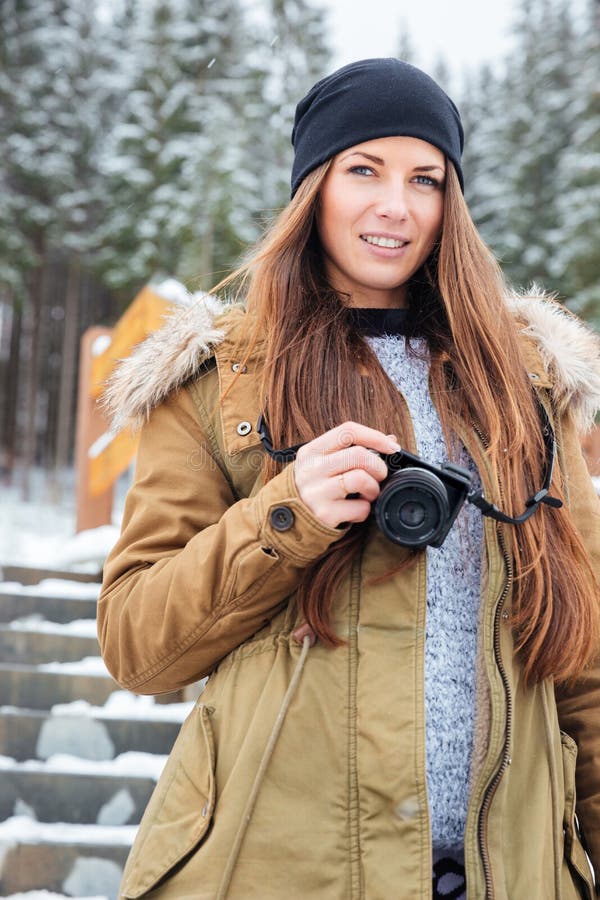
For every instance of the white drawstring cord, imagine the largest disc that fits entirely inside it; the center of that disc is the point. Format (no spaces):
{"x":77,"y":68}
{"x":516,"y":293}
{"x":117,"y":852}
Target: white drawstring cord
{"x":266,"y":757}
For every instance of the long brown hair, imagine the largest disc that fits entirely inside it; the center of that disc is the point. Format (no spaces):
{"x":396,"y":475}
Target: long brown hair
{"x":478,"y":377}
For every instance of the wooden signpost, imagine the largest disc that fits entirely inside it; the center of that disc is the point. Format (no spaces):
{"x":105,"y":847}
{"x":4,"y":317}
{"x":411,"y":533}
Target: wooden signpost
{"x":101,"y":455}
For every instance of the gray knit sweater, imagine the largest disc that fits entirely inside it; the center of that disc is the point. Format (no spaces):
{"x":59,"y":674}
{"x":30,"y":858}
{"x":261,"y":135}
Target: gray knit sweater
{"x":453,"y":591}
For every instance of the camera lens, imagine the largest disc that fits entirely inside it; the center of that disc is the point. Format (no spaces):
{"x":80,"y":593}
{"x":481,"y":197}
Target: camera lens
{"x":412,"y":513}
{"x":412,"y":508}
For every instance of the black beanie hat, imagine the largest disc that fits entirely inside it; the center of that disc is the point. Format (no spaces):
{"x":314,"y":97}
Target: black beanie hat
{"x":368,"y":99}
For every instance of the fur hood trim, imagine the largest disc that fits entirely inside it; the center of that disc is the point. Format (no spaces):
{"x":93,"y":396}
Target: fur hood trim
{"x":570,"y":353}
{"x":161,"y":363}
{"x":569,"y":350}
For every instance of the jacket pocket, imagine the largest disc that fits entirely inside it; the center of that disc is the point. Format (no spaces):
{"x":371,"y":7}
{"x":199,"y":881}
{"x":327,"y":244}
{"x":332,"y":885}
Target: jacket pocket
{"x":180,"y":809}
{"x":574,"y":852}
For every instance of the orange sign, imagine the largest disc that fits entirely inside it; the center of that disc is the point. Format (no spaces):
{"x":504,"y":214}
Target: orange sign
{"x":145,"y":315}
{"x":108,"y":458}
{"x":111,"y":454}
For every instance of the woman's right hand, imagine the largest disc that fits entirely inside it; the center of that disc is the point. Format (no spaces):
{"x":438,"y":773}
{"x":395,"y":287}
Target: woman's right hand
{"x":338,"y":463}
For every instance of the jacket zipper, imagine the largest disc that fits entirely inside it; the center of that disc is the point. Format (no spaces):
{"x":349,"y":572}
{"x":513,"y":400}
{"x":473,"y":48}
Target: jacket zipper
{"x":505,"y":762}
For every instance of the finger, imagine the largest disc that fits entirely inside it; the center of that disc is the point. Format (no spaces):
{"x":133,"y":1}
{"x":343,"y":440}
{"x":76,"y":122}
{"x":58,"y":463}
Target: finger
{"x":304,"y":631}
{"x":321,"y":495}
{"x":353,"y":511}
{"x":350,"y":433}
{"x":355,"y":481}
{"x":355,"y":458}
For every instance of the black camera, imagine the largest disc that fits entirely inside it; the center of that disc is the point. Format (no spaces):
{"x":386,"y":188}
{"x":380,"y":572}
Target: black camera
{"x":419,"y":502}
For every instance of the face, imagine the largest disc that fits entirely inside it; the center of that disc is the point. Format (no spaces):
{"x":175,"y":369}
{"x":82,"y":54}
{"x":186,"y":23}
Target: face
{"x":379,"y":216}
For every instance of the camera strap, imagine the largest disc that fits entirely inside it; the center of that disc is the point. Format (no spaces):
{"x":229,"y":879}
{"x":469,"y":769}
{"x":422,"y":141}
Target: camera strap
{"x":486,"y":508}
{"x":541,"y":496}
{"x":286,"y":455}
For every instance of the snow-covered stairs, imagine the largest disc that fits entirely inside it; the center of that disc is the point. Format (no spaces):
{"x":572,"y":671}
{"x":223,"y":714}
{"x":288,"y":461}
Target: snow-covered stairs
{"x":78,"y":757}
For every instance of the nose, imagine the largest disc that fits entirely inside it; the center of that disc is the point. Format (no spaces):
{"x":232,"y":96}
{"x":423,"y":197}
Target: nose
{"x":393,"y":202}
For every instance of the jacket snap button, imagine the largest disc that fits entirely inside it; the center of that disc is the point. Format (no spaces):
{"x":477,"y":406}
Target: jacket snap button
{"x":238,"y":367}
{"x":282,"y":518}
{"x":244,"y":428}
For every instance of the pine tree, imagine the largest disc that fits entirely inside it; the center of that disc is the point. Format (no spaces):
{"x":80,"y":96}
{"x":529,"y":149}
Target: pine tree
{"x":195,"y":159}
{"x":578,"y":184}
{"x":532,"y":128}
{"x":51,"y":113}
{"x":484,"y":109}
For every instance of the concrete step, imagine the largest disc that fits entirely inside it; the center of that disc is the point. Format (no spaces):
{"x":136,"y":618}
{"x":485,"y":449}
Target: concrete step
{"x":55,"y":609}
{"x":29,"y":644}
{"x":79,"y":861}
{"x":33,"y":687}
{"x":33,"y":734}
{"x":76,"y":797}
{"x":33,"y":575}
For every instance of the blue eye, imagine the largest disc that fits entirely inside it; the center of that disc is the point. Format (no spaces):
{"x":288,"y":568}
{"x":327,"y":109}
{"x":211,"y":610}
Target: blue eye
{"x":427,"y":179}
{"x":361,"y":170}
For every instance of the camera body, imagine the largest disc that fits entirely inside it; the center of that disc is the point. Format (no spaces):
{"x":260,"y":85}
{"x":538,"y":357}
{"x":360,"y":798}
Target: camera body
{"x":418,"y":501}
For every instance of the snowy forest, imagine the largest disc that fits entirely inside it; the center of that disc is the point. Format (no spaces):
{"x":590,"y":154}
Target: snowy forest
{"x":145,"y":139}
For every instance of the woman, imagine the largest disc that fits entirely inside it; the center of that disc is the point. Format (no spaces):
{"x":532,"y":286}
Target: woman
{"x":392,"y":709}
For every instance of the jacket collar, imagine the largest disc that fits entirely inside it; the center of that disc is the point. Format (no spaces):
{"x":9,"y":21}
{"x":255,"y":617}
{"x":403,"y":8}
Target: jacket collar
{"x":562,"y":354}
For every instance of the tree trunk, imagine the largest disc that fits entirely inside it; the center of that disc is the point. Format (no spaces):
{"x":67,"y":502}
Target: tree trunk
{"x":207,"y":254}
{"x":33,"y":368}
{"x":9,"y":419}
{"x":66,"y":397}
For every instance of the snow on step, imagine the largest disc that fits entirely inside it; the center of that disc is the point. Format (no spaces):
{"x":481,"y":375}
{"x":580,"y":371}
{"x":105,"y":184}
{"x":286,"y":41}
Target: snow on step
{"x":89,"y":665}
{"x":123,"y":705}
{"x":132,"y":764}
{"x":77,"y":860}
{"x":32,"y":687}
{"x":53,"y":587}
{"x":37,"y":623}
{"x":23,"y":830}
{"x":47,"y":895}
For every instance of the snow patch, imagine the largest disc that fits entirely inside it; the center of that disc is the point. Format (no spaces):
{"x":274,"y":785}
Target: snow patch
{"x":173,"y":290}
{"x":100,"y":344}
{"x":123,"y":705}
{"x":118,"y":810}
{"x":132,"y":764}
{"x":23,"y":830}
{"x":89,"y":665}
{"x":90,"y":874}
{"x":53,"y":587}
{"x":37,"y":623}
{"x":90,"y":546}
{"x":23,"y":809}
{"x":48,"y":895}
{"x":101,"y":444}
{"x":85,"y":738}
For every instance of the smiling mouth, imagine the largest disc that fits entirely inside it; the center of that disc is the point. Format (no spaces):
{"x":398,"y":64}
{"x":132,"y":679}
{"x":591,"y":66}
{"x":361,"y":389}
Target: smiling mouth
{"x":391,"y":243}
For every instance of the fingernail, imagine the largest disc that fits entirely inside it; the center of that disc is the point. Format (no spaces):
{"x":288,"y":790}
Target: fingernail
{"x":394,"y":445}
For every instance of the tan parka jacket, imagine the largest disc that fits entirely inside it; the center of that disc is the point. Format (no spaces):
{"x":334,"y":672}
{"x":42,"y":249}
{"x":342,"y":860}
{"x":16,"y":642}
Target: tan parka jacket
{"x":300,"y":772}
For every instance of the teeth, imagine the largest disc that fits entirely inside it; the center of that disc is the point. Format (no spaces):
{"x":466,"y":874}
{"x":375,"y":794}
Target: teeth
{"x":383,"y":242}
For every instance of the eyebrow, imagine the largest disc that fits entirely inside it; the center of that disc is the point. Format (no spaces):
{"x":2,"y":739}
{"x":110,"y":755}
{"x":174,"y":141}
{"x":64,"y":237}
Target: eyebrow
{"x":381,"y":162}
{"x":429,"y":168}
{"x":375,"y":159}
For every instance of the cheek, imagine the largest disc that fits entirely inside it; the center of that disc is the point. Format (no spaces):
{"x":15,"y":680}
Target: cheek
{"x":332,"y":228}
{"x":432,"y":223}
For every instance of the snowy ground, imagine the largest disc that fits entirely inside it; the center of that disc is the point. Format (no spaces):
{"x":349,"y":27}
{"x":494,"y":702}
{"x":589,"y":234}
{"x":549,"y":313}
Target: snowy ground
{"x":46,"y":895}
{"x":41,"y":531}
